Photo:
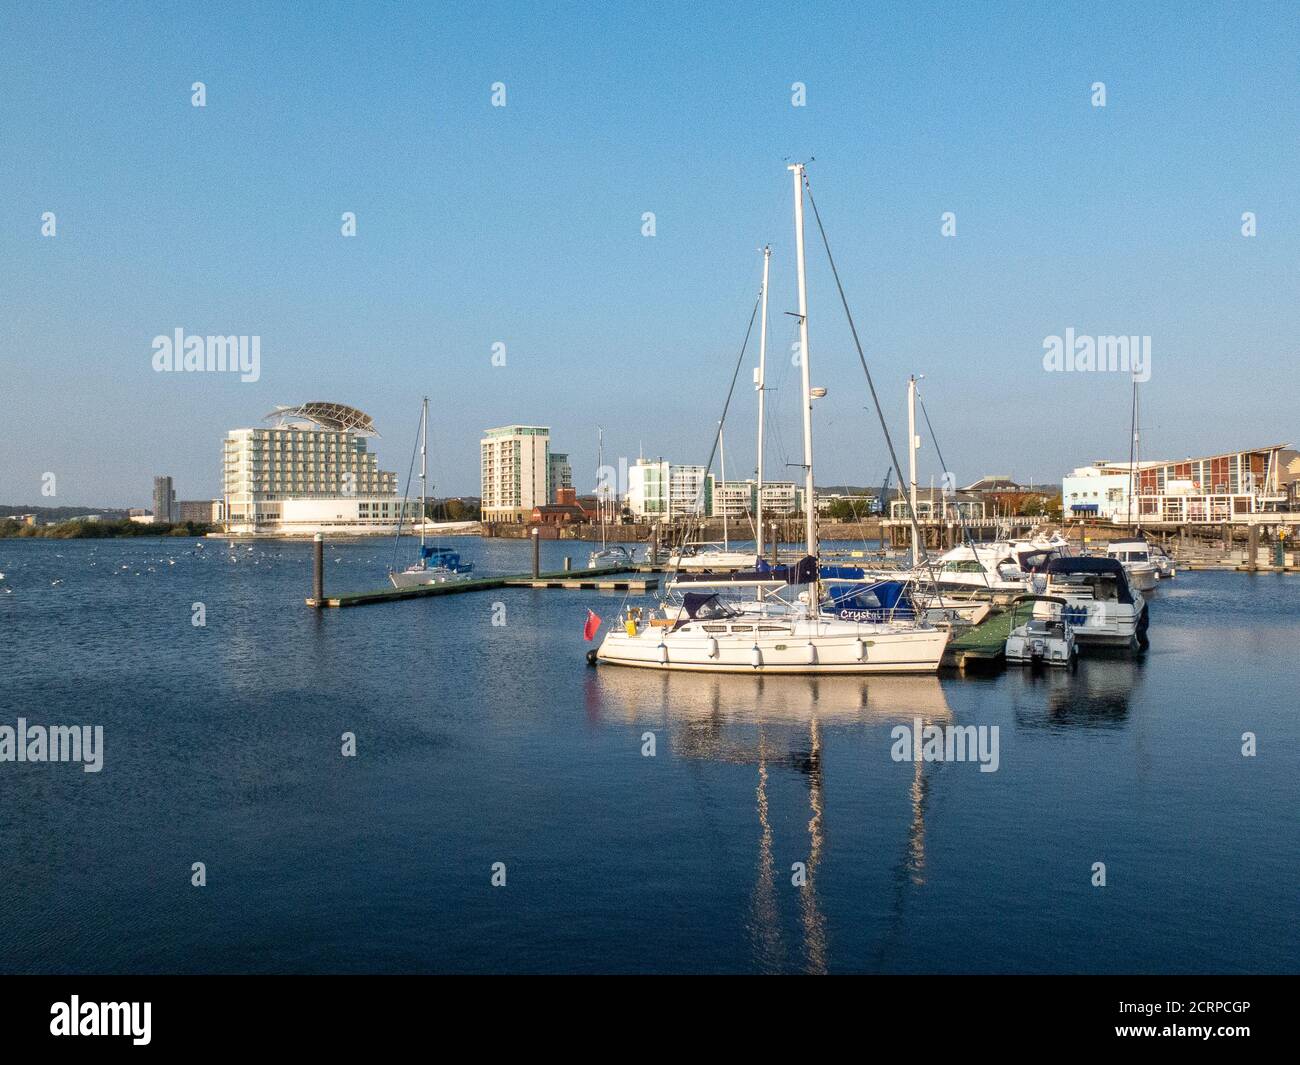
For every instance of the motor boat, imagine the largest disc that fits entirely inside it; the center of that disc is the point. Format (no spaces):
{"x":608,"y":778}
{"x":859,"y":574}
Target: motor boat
{"x":997,"y":566}
{"x":1135,"y":557}
{"x":1166,"y":566}
{"x":1101,"y":605}
{"x":1045,"y":637}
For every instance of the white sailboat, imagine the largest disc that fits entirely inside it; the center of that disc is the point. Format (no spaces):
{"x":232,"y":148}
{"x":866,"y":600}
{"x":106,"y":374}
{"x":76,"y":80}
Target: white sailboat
{"x":704,"y":634}
{"x":607,"y":556}
{"x":435,"y":565}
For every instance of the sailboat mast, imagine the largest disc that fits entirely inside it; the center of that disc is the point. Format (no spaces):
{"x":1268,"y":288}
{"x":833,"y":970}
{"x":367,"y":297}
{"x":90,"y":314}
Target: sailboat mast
{"x":600,"y":472}
{"x":722,"y":459}
{"x":1132,"y":450}
{"x":762,"y":389}
{"x":424,"y":449}
{"x":911,"y":465}
{"x":810,"y":502}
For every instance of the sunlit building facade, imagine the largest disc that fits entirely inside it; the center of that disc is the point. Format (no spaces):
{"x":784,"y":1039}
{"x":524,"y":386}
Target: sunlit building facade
{"x":310,"y":472}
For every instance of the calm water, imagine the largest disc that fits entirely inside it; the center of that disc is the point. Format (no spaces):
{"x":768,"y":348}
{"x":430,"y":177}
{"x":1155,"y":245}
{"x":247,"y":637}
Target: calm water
{"x":480,"y":744}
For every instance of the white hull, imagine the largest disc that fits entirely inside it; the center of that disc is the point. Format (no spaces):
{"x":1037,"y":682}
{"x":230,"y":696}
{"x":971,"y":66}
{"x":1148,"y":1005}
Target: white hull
{"x":714,"y":560}
{"x":1105,"y":624}
{"x":419,"y":578}
{"x":1142,"y":576}
{"x":774,"y":645}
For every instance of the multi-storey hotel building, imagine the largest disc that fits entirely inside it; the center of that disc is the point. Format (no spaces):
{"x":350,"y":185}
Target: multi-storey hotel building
{"x":310,"y":472}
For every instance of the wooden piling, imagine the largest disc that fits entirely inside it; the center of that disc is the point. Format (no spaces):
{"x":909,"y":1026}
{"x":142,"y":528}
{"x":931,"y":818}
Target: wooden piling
{"x":318,"y":568}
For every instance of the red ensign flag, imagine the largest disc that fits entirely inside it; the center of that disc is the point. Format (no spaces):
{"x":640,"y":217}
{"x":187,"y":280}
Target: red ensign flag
{"x":592,"y":626}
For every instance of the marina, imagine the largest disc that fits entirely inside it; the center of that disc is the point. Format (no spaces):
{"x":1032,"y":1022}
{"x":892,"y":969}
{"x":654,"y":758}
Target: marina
{"x":630,"y":850}
{"x":597,"y":491}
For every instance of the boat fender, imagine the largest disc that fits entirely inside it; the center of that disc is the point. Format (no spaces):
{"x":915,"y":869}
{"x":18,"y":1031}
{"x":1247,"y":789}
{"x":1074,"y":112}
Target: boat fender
{"x":755,"y":657}
{"x":812,"y":653}
{"x":663,"y":654}
{"x":591,"y":658}
{"x":713,"y":647}
{"x":860,"y":649}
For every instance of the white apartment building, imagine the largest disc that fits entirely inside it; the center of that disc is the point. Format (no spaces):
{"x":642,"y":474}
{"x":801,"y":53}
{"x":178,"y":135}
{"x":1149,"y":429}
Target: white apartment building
{"x":658,"y":490}
{"x":311,"y":472}
{"x":740,"y":498}
{"x":515,"y":471}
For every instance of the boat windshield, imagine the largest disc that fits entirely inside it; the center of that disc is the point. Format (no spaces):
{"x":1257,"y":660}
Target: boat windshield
{"x":702,"y":606}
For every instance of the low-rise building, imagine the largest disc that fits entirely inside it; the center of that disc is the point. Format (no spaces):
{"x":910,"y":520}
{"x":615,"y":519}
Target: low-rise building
{"x":1213,"y":489}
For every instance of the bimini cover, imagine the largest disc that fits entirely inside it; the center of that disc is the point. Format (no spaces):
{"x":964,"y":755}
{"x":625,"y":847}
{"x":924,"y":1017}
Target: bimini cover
{"x":1094,"y":567}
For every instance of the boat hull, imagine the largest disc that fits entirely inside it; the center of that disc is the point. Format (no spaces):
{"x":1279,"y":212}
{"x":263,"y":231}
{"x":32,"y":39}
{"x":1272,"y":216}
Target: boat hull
{"x":1142,"y":577}
{"x":423,"y":578}
{"x":835,"y":648}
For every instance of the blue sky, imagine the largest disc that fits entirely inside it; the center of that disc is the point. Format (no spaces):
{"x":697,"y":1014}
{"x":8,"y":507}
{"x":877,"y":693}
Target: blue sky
{"x":522,"y":225}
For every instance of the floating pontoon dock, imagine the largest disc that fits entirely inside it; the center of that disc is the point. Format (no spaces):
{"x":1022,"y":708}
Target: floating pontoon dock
{"x":591,"y":580}
{"x":982,"y":647}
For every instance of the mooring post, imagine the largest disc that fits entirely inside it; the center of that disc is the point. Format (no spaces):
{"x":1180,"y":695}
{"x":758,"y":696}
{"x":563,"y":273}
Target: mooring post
{"x":537,"y":554}
{"x":318,"y":569}
{"x":568,"y":563}
{"x":1252,"y":548}
{"x":654,"y":545}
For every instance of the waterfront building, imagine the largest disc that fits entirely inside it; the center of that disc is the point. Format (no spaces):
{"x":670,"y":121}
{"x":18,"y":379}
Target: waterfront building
{"x":559,"y":476}
{"x":566,"y":510}
{"x":199,"y":511}
{"x":658,"y":490}
{"x":164,"y":500}
{"x":309,"y":472}
{"x":515,"y":471}
{"x":1214,"y":489}
{"x":740,"y":498}
{"x":934,"y":504}
{"x":732,"y":499}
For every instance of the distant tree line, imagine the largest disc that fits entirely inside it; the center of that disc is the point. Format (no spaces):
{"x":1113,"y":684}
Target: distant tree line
{"x":98,"y":530}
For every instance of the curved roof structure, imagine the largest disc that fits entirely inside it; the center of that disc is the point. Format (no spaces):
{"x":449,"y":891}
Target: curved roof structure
{"x":335,"y":416}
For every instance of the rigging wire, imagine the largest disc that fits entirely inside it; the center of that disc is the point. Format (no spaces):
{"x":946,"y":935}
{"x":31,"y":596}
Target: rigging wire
{"x":406,"y":493}
{"x":965,"y":532}
{"x":889,"y":442}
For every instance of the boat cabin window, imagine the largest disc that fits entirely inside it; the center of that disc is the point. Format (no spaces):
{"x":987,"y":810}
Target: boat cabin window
{"x":963,"y":566}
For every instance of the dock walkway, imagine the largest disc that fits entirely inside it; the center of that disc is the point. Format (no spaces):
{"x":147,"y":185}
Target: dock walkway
{"x":982,"y":647}
{"x":587,"y":580}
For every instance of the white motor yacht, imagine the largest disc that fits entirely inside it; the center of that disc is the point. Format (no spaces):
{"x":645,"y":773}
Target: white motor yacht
{"x":1101,"y":606}
{"x":1135,"y":557}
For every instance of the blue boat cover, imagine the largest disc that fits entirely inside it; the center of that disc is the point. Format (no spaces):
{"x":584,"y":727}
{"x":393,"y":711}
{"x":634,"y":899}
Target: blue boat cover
{"x":1092,"y":565}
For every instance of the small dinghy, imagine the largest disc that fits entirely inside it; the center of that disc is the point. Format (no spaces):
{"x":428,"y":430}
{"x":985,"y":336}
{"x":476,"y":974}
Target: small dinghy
{"x":1044,"y":637}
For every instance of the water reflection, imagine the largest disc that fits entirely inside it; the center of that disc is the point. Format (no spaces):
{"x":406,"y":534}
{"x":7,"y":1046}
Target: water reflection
{"x":1099,"y":695}
{"x":776,"y":723}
